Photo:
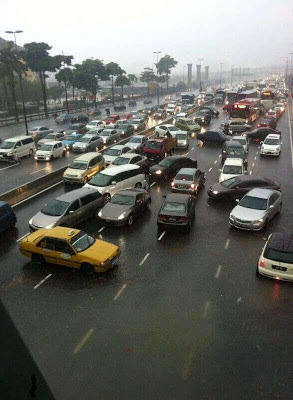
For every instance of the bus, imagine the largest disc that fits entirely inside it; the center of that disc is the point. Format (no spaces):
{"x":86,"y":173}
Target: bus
{"x":267,"y":98}
{"x":245,"y":94}
{"x":246,"y":110}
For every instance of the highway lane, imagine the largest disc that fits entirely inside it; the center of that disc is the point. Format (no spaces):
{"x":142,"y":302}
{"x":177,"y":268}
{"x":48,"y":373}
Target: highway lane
{"x":193,"y":321}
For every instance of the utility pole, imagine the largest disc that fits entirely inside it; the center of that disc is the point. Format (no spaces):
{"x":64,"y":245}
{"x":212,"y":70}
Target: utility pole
{"x":157,"y":53}
{"x":20,"y":82}
{"x":200,"y":60}
{"x":221,"y":74}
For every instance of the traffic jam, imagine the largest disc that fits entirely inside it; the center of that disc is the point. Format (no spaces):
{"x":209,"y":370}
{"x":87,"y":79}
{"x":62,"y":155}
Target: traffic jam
{"x":119,"y":163}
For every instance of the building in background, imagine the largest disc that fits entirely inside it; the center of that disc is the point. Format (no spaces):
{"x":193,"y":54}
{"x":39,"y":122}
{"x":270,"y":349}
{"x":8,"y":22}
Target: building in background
{"x":189,"y":75}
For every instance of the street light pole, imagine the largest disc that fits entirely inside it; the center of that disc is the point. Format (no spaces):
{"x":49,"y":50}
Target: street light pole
{"x":20,"y":82}
{"x":200,"y":60}
{"x":221,"y":74}
{"x":157,"y":53}
{"x":291,"y":80}
{"x":232,"y":72}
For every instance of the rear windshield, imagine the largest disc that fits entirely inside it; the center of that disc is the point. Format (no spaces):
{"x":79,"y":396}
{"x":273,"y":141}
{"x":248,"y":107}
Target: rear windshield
{"x":235,"y":151}
{"x":232,"y":169}
{"x":113,"y":152}
{"x":184,"y":177}
{"x":55,"y":208}
{"x":277,"y":255}
{"x":176,"y":207}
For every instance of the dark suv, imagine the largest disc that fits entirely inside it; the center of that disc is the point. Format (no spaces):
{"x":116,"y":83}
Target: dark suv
{"x":233,"y":149}
{"x":202,"y":118}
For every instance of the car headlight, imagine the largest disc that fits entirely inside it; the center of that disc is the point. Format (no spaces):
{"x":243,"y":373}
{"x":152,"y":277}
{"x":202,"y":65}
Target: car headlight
{"x":158,"y":172}
{"x":258,"y":222}
{"x":31,"y":221}
{"x":184,"y":142}
{"x":278,"y":148}
{"x":50,"y":226}
{"x":121,"y":216}
{"x":246,"y":121}
{"x":104,"y":140}
{"x":215,"y":191}
{"x":231,"y":217}
{"x":47,"y":158}
{"x":100,"y":213}
{"x":36,"y":157}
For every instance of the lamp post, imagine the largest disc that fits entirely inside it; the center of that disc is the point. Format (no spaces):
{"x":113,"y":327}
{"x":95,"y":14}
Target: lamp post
{"x":157,"y":53}
{"x":232,"y":72}
{"x":20,"y":81}
{"x":221,"y":74}
{"x":200,"y":60}
{"x":291,"y":80}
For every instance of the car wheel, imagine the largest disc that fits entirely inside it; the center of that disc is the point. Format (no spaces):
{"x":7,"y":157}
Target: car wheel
{"x":87,"y":269}
{"x":138,"y":185}
{"x":64,"y":153}
{"x":265,"y":226}
{"x":30,"y":153}
{"x":38,"y":260}
{"x":85,"y":180}
{"x":130,"y":220}
{"x":107,"y":197}
{"x":51,"y":158}
{"x":280,"y":208}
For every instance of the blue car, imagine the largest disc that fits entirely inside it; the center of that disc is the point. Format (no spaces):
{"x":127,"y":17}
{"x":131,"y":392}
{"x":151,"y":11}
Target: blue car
{"x":70,"y":140}
{"x":7,"y":216}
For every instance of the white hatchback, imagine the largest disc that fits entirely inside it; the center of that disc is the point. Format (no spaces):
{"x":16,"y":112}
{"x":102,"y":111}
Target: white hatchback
{"x":271,"y":145}
{"x":113,"y":152}
{"x":50,"y":150}
{"x":231,"y":168}
{"x":95,"y":124}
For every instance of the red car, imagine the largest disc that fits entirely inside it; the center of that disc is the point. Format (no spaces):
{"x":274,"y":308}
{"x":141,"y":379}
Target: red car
{"x":112,"y":118}
{"x":272,"y":114}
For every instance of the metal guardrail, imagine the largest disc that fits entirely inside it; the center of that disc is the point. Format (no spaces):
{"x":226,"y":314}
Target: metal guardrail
{"x":27,"y":190}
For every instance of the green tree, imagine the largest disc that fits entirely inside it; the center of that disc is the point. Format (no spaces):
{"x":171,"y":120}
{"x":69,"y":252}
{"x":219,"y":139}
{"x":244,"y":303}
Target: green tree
{"x":165,"y":65}
{"x":113,"y":70}
{"x":55,"y":92}
{"x":88,"y":74}
{"x":38,"y":59}
{"x":133,"y":79}
{"x":148,"y":76}
{"x":122,"y":81}
{"x":65,"y":76}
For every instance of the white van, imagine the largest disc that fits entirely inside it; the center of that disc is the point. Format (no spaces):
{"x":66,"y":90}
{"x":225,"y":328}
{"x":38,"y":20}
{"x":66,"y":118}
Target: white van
{"x":111,"y":180}
{"x":17,"y":147}
{"x":231,"y":168}
{"x":50,"y":150}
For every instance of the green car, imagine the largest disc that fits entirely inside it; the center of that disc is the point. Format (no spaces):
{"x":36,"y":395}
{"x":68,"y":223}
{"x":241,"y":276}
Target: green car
{"x":187,"y":124}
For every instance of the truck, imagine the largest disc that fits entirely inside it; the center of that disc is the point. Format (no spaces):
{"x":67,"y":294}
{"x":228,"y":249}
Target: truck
{"x":159,"y":148}
{"x":187,"y":98}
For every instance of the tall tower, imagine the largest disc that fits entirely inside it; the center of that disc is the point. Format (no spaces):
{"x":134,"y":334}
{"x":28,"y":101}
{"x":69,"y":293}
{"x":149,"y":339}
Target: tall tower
{"x":198,"y":73}
{"x":189,"y":75}
{"x":206,"y":74}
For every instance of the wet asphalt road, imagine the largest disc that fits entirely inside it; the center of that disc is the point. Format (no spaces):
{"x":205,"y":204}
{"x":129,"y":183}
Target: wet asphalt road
{"x":192,"y":321}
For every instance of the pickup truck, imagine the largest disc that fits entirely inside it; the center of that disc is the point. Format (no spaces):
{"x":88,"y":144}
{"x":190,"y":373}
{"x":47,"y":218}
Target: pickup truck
{"x":157,"y":149}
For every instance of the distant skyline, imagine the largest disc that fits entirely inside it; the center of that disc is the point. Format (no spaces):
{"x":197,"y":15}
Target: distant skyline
{"x":255,"y":33}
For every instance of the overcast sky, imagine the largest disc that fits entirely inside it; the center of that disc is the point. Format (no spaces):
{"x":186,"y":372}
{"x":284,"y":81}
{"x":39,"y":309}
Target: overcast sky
{"x":245,"y":33}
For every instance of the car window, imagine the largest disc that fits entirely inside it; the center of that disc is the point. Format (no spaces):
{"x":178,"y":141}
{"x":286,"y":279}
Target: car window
{"x":273,"y":199}
{"x":62,"y":246}
{"x":47,"y":243}
{"x":74,"y":206}
{"x":89,"y":198}
{"x":136,"y":159}
{"x":92,"y":162}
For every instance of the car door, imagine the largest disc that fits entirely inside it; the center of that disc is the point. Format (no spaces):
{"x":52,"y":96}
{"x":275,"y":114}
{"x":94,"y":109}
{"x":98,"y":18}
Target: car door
{"x":73,"y":214}
{"x":241,"y":188}
{"x":4,"y":218}
{"x":139,"y":204}
{"x":273,"y":205}
{"x":90,"y":203}
{"x":58,"y":251}
{"x":137,"y":160}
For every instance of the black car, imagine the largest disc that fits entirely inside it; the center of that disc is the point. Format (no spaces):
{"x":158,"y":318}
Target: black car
{"x":78,"y":128}
{"x":234,"y":149}
{"x":202,"y":118}
{"x":79,"y":118}
{"x":125,"y":130}
{"x":62,"y":118}
{"x":213,"y":137}
{"x":169,"y":167}
{"x":147,"y":101}
{"x":124,"y":207}
{"x":237,"y":187}
{"x":95,"y":112}
{"x":148,"y":110}
{"x":132,"y":103}
{"x":120,"y":107}
{"x":268,"y":121}
{"x":259,"y":134}
{"x":177,"y":211}
{"x":211,"y":110}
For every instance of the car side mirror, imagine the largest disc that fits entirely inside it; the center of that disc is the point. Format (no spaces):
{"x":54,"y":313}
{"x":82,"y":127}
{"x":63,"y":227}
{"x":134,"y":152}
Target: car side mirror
{"x":272,"y":206}
{"x":261,"y":142}
{"x":114,"y":183}
{"x":237,"y":200}
{"x":71,"y":212}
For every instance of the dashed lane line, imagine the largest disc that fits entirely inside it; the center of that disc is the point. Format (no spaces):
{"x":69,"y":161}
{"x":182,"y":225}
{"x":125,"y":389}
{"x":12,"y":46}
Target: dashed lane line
{"x":144,"y":259}
{"x":159,"y":238}
{"x":39,"y":170}
{"x":153,"y":184}
{"x":210,"y":169}
{"x":253,"y":164}
{"x":9,"y":166}
{"x":42,"y":281}
{"x":83,"y":341}
{"x":227,"y":244}
{"x":120,"y":291}
{"x":250,"y":172}
{"x":218,"y":271}
{"x":101,"y":229}
{"x":215,"y":162}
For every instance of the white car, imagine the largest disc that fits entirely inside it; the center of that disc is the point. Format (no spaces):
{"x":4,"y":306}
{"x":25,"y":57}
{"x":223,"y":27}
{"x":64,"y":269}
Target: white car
{"x":231,"y":168}
{"x":50,"y":150}
{"x":276,"y":260}
{"x":161,"y":130}
{"x":171,"y":108}
{"x":280,"y":108}
{"x":271,"y":145}
{"x":52,"y":136}
{"x":181,"y":114}
{"x":115,"y":151}
{"x":182,"y":139}
{"x":95,"y":124}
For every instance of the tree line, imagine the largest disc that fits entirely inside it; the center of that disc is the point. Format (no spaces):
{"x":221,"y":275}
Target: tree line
{"x":35,"y":56}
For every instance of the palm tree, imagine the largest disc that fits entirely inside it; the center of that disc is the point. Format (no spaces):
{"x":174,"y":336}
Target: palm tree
{"x":132,"y":78}
{"x":122,"y":81}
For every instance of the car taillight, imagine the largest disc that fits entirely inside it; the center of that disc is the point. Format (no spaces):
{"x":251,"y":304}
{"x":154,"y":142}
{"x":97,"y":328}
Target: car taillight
{"x":35,"y":133}
{"x":183,"y":219}
{"x":193,"y":185}
{"x":262,"y":263}
{"x":172,"y":184}
{"x":259,"y":125}
{"x":257,"y":140}
{"x":162,"y":217}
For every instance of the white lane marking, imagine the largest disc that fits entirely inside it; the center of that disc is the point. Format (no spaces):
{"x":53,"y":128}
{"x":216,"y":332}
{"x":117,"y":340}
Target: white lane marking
{"x":192,"y":148}
{"x":101,"y":229}
{"x":227,"y":244}
{"x":42,"y":281}
{"x":162,"y":235}
{"x":250,"y":172}
{"x":144,"y":259}
{"x":35,"y":172}
{"x":253,"y":164}
{"x":120,"y":291}
{"x":18,"y":240}
{"x":10,"y":166}
{"x":210,"y":169}
{"x":215,"y":162}
{"x":185,"y":154}
{"x":83,"y":341}
{"x":218,"y":271}
{"x":239,"y":299}
{"x":34,"y":195}
{"x":153,"y":184}
{"x":290,"y":131}
{"x":219,"y":155}
{"x":257,"y":152}
{"x":206,"y":309}
{"x":255,"y":158}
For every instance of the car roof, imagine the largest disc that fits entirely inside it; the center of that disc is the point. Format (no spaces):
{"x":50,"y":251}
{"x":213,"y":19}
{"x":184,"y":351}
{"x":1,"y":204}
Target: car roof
{"x":187,"y":171}
{"x":117,"y":147}
{"x":75,"y":194}
{"x":59,"y":232}
{"x":234,"y":161}
{"x":176,"y":157}
{"x":130,"y":155}
{"x":261,"y":193}
{"x":131,"y":192}
{"x":16,"y":138}
{"x":281,"y":241}
{"x":238,"y":137}
{"x":120,"y":168}
{"x":177,"y":198}
{"x":86,"y":156}
{"x":233,"y":143}
{"x":273,"y":136}
{"x":52,"y":142}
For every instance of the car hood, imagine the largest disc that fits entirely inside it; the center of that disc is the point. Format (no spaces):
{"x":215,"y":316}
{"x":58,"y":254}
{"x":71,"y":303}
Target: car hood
{"x":155,"y":168}
{"x":109,"y":158}
{"x":100,"y":251}
{"x":74,"y":172}
{"x":270,"y":146}
{"x":41,"y":220}
{"x":224,"y":177}
{"x":133,"y":145}
{"x":43,"y":153}
{"x":80,"y":144}
{"x":247,"y":214}
{"x":114,"y":210}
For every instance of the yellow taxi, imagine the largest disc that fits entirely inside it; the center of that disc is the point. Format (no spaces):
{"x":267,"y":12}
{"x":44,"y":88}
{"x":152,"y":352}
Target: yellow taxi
{"x":70,"y":248}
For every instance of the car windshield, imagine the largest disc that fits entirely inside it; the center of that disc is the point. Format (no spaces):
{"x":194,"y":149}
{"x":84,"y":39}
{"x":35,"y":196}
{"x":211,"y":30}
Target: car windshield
{"x":229,"y":182}
{"x":113,"y":152}
{"x":235,"y":151}
{"x":46,"y":147}
{"x":165,"y":163}
{"x":78,"y":165}
{"x":135,"y":140}
{"x":101,"y":180}
{"x":82,"y":241}
{"x":50,"y":137}
{"x":73,"y":127}
{"x":122,"y":199}
{"x":271,"y":142}
{"x":121,"y":161}
{"x":93,"y":123}
{"x":176,"y":207}
{"x":276,"y":255}
{"x":123,"y":127}
{"x":271,"y":113}
{"x":135,"y":121}
{"x":106,"y":133}
{"x":232,"y":169}
{"x":255,"y":203}
{"x":181,"y":136}
{"x":172,"y":128}
{"x":241,"y":140}
{"x":184,"y":177}
{"x":55,"y":208}
{"x":36,"y":128}
{"x":84,"y":139}
{"x":72,"y":137}
{"x":7,"y":145}
{"x":153,"y":145}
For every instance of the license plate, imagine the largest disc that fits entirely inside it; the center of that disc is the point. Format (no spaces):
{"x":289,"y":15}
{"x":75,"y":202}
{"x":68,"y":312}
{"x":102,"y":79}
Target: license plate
{"x":172,"y":219}
{"x":277,"y":267}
